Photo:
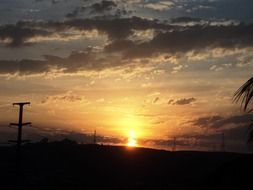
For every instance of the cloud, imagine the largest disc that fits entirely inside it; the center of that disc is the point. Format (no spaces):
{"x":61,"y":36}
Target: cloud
{"x":157,"y":99}
{"x":182,"y":101}
{"x":217,"y":122}
{"x":195,"y":38}
{"x":119,"y":45}
{"x":28,"y":67}
{"x":185,"y":20}
{"x":74,"y":13}
{"x":218,"y":9}
{"x":160,"y":6}
{"x":206,"y":121}
{"x":75,"y":62}
{"x":168,"y":38}
{"x":67,"y":97}
{"x":103,"y":6}
{"x":16,"y":35}
{"x":119,"y":48}
{"x":115,"y":29}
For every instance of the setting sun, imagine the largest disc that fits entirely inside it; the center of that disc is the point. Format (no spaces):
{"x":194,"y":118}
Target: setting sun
{"x":131,"y":139}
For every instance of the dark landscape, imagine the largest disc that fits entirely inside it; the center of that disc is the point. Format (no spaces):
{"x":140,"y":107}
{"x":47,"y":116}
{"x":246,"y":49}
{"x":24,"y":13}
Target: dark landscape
{"x":126,"y":94}
{"x":68,"y":165}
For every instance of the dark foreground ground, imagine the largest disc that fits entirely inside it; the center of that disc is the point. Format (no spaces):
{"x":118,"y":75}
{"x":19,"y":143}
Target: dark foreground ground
{"x":70,"y":166}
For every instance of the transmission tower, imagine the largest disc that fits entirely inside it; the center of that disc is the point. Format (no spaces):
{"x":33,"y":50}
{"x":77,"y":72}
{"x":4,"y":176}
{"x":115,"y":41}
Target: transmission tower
{"x":20,"y":124}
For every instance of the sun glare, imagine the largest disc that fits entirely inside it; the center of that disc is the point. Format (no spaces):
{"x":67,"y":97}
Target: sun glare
{"x":131,"y":139}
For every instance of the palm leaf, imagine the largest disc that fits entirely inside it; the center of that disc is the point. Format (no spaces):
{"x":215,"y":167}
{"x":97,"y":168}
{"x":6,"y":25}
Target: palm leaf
{"x":244,"y":94}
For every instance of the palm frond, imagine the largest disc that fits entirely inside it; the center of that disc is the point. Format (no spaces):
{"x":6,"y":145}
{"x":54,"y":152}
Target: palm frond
{"x":244,"y":94}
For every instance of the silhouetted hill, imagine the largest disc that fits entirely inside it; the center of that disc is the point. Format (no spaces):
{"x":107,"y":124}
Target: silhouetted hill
{"x":67,"y":165}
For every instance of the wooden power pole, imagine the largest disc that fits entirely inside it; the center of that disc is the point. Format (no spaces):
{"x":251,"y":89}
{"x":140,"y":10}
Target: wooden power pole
{"x":20,"y":124}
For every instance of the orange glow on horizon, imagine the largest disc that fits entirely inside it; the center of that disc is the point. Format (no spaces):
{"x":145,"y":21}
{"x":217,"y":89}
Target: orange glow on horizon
{"x":131,"y":139}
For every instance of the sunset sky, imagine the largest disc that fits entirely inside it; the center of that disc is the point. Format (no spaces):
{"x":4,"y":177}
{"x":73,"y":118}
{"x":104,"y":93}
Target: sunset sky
{"x":144,"y":69}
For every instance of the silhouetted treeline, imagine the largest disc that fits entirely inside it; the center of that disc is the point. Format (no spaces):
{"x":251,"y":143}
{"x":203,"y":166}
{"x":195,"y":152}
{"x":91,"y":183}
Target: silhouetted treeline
{"x":67,"y":165}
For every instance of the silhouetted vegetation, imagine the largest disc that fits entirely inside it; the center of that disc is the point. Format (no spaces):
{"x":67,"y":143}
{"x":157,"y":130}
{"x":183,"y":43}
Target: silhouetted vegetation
{"x":67,"y":165}
{"x":245,"y":94}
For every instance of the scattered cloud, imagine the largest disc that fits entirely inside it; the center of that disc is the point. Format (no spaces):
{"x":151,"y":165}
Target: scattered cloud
{"x":160,"y":6}
{"x":195,"y":38}
{"x":217,"y":122}
{"x":16,"y":35}
{"x":66,"y":97}
{"x":182,"y":101}
{"x":103,"y":6}
{"x":157,"y":99}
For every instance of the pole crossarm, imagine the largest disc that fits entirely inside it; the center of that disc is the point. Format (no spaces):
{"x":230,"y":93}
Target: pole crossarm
{"x":23,"y":124}
{"x":21,"y":103}
{"x":14,"y":124}
{"x":27,"y":123}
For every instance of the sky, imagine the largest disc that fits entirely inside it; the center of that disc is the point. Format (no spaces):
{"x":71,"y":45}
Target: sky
{"x":144,"y":70}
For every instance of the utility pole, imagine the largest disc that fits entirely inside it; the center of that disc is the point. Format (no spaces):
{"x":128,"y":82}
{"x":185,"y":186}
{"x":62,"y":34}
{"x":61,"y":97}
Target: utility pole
{"x":174,"y":144}
{"x":20,"y":124}
{"x":95,"y":137}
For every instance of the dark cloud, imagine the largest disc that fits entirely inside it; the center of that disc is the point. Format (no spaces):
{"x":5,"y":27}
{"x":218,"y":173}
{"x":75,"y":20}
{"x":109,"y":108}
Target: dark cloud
{"x":18,"y":34}
{"x":116,"y":29}
{"x":108,"y":9}
{"x":185,"y":20}
{"x":67,"y":97}
{"x":157,"y":99}
{"x":170,"y":101}
{"x":56,"y":1}
{"x":183,"y":101}
{"x":52,"y":1}
{"x":73,"y":13}
{"x":195,"y":38}
{"x":73,"y":63}
{"x":77,"y":61}
{"x":24,"y":67}
{"x":218,"y":9}
{"x":167,"y":39}
{"x":206,"y":121}
{"x":103,"y":6}
{"x":217,"y":122}
{"x":119,"y":45}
